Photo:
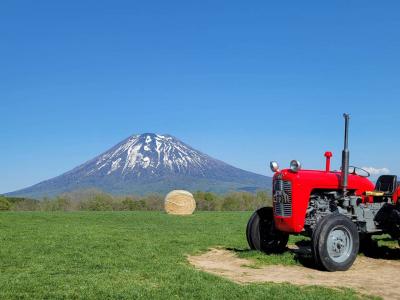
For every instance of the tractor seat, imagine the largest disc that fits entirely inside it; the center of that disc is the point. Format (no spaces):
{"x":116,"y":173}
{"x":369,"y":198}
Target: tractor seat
{"x":385,"y":186}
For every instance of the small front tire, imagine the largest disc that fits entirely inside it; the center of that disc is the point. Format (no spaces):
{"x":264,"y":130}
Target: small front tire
{"x":261,"y":232}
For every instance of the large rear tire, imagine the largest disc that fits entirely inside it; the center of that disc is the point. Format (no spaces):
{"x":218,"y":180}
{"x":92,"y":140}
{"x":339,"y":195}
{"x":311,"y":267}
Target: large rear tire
{"x":261,"y":232}
{"x":336,"y":244}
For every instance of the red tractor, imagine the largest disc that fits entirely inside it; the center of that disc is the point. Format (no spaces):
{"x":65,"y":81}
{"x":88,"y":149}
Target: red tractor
{"x":337,"y":209}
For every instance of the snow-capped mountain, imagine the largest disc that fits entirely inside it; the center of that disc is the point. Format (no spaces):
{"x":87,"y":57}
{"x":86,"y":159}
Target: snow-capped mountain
{"x":150,"y":163}
{"x":150,"y":154}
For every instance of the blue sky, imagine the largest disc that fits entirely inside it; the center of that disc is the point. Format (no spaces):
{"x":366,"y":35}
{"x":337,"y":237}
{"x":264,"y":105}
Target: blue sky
{"x":245,"y":82}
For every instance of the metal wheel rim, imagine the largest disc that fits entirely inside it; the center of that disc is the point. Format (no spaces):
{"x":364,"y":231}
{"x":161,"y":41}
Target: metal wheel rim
{"x":339,"y":244}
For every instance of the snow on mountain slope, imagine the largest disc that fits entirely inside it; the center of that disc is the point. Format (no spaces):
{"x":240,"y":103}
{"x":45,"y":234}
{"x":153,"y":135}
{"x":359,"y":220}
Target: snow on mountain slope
{"x":150,"y":153}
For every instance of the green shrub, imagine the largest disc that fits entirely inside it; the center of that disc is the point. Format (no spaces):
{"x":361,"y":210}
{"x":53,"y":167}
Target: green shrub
{"x":57,"y":204}
{"x":4,"y":204}
{"x":25,"y":205}
{"x":99,"y":202}
{"x":154,"y":202}
{"x":133,"y":204}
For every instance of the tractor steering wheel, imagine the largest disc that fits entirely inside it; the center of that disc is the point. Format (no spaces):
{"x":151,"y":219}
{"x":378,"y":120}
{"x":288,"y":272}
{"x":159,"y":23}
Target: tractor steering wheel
{"x":354,"y":170}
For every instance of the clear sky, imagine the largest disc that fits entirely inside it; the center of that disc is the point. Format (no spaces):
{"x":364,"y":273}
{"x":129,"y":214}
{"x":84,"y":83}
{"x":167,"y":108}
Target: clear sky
{"x":246,"y":82}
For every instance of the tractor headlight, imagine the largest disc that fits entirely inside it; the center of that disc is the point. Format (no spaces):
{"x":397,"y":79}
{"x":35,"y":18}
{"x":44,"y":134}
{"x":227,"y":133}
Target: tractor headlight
{"x":274,"y":166}
{"x":295,"y":165}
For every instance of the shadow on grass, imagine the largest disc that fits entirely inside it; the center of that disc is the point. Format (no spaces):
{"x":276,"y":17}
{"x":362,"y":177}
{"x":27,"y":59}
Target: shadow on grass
{"x":376,"y":251}
{"x":237,"y":250}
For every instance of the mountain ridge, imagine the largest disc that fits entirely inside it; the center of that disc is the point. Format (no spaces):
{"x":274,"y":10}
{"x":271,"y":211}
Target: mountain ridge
{"x":149,"y":162}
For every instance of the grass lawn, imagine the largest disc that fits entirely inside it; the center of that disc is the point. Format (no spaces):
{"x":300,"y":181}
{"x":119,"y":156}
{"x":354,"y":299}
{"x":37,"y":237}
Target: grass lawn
{"x":125,"y":255}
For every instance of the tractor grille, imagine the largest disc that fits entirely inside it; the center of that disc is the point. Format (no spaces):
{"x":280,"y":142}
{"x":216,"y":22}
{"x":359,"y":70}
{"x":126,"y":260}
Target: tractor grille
{"x":282,"y":198}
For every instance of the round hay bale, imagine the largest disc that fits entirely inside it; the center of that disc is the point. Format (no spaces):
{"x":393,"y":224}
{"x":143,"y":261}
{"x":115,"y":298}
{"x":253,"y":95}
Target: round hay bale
{"x":179,"y":202}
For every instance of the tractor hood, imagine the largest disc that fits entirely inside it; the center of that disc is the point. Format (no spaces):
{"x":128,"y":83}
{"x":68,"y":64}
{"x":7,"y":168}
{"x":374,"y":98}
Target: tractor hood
{"x":292,"y":190}
{"x":317,"y":179}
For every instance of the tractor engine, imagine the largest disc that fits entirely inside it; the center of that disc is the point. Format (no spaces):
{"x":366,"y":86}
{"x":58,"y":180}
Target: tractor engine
{"x":321,"y":204}
{"x":363,"y":213}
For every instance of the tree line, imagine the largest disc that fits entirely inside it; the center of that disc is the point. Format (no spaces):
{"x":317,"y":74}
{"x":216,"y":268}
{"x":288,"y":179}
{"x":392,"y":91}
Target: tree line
{"x":95,"y":200}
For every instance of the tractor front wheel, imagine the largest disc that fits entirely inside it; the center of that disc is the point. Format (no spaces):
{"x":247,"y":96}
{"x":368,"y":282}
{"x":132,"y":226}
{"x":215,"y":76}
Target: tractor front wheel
{"x":337,"y":243}
{"x":262,"y":234}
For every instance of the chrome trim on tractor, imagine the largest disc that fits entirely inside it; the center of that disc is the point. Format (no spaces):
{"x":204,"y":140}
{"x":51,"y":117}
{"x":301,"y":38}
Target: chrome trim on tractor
{"x":282,"y":198}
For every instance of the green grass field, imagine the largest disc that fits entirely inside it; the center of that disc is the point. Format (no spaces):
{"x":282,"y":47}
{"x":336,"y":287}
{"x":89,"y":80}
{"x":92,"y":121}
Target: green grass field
{"x":126,"y":255}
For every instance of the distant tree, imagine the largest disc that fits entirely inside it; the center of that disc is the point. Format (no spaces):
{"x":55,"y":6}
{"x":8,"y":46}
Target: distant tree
{"x":231,"y":202}
{"x":24,"y":204}
{"x":60,"y":203}
{"x":130,"y":203}
{"x":98,"y":202}
{"x":210,"y":196}
{"x":4,"y":204}
{"x":263,"y":199}
{"x":154,"y":202}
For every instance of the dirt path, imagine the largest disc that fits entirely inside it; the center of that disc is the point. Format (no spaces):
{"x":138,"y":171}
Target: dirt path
{"x":369,"y":276}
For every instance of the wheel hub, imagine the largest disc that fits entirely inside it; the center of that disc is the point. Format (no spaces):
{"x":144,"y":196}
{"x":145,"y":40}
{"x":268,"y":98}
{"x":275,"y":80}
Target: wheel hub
{"x":340,"y":244}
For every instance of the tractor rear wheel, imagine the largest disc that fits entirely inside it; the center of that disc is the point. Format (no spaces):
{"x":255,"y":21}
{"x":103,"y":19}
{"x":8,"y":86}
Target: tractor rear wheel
{"x":261,"y":232}
{"x":336,"y":243}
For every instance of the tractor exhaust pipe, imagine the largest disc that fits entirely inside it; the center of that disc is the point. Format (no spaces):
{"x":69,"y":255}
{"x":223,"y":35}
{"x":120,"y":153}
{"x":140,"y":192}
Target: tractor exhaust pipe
{"x":345,"y":155}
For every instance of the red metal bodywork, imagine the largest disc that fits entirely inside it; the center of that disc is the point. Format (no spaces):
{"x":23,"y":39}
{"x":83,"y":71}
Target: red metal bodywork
{"x":396,"y":195}
{"x":303,"y":184}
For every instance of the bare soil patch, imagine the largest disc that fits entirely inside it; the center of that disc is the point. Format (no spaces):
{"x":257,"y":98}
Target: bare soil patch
{"x":370,"y":276}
